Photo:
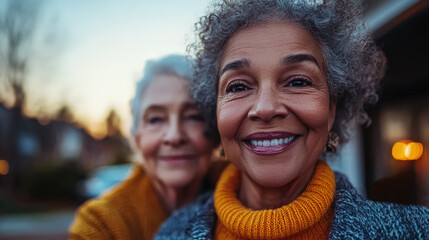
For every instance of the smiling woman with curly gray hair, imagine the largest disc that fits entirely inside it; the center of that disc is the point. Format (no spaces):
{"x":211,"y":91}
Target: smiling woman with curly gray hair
{"x":354,"y":65}
{"x":275,"y":77}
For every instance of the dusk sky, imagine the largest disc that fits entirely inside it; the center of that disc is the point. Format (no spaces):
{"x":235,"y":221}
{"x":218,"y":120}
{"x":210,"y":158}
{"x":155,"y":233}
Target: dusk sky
{"x":89,"y":54}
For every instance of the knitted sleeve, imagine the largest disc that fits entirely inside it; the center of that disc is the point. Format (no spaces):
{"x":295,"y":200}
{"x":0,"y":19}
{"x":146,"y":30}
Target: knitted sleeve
{"x":96,"y":220}
{"x":358,"y":218}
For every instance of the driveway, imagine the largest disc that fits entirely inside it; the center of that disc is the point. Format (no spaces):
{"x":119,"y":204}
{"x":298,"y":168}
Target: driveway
{"x":36,"y":226}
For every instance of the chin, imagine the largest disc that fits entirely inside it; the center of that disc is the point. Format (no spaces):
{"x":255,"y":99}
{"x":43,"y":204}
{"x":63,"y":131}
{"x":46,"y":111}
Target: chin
{"x":271,"y":178}
{"x":178,"y":179}
{"x":270,"y":182}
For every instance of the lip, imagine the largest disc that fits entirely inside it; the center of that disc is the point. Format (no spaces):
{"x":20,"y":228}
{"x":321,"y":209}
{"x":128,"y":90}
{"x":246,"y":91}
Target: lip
{"x":270,"y":150}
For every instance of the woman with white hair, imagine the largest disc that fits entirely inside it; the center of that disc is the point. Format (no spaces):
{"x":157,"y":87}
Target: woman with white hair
{"x":171,"y":136}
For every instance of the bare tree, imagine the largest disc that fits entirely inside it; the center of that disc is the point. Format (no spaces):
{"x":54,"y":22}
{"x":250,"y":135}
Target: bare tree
{"x":17,"y":27}
{"x":113,"y":124}
{"x":65,"y":114}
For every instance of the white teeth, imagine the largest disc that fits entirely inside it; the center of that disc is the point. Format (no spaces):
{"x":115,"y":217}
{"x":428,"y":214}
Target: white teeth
{"x":273,"y":142}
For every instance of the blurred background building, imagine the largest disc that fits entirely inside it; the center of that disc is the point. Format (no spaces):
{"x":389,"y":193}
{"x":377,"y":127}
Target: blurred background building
{"x":54,"y":155}
{"x":403,"y":110}
{"x":401,"y":29}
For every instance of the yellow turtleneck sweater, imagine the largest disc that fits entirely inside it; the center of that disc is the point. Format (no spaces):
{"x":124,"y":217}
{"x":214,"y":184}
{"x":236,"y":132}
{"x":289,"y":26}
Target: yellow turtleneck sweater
{"x":307,"y":217}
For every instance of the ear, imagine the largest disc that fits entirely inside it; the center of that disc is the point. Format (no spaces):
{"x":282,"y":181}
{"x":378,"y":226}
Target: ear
{"x":332,"y":111}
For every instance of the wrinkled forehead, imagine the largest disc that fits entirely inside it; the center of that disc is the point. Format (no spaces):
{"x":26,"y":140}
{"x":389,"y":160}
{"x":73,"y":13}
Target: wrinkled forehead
{"x":258,"y":41}
{"x":166,"y":90}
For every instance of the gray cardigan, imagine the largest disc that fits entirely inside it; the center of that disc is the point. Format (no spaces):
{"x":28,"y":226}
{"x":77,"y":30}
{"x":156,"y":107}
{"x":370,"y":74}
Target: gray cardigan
{"x":354,"y":218}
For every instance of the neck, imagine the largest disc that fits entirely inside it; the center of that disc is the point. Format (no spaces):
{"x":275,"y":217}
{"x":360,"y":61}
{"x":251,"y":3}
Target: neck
{"x":257,"y":197}
{"x":176,"y":197}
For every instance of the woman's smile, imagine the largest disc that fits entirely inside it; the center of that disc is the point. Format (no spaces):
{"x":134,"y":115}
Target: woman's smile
{"x":268,"y":143}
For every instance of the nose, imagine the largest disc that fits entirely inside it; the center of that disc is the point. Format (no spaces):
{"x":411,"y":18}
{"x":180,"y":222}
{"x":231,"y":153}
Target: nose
{"x":174,"y":134}
{"x":267,"y":106}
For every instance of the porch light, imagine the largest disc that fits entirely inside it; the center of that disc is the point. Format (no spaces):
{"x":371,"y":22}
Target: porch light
{"x":4,"y":167}
{"x":407,"y":150}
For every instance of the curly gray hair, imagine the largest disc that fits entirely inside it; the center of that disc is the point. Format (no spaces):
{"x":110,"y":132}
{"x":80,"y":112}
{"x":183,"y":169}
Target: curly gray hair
{"x":354,"y":63}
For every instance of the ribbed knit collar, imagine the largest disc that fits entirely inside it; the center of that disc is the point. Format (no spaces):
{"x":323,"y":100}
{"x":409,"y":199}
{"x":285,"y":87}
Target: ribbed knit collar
{"x":307,"y":217}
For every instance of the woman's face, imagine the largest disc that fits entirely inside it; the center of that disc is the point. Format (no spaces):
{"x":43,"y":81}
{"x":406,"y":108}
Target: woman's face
{"x":171,"y":133}
{"x":273,"y":109}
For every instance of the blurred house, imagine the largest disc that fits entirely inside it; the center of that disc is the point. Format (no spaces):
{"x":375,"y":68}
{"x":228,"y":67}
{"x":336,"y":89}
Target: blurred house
{"x":403,"y":110}
{"x":401,"y":28}
{"x":24,"y":142}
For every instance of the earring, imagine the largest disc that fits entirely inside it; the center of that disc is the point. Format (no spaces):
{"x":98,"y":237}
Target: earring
{"x":333,"y":142}
{"x":222,"y":152}
{"x":222,"y":155}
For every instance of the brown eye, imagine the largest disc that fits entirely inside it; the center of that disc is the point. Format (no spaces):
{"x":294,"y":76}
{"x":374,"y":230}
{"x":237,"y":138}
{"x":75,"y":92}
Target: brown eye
{"x":155,"y":120}
{"x":299,"y":82}
{"x":236,"y":87}
{"x":195,"y":117}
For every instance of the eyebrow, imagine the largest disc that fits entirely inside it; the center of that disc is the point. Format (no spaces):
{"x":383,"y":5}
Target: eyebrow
{"x":297,"y":58}
{"x":236,"y":65}
{"x":291,"y":59}
{"x":160,"y":107}
{"x":190,"y":105}
{"x":153,"y":107}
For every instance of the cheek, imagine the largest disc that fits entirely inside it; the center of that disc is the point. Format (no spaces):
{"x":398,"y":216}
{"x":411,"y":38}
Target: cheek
{"x":202,"y":147}
{"x":198,"y":139}
{"x":313,"y":111}
{"x":149,"y":144}
{"x":229,"y":117}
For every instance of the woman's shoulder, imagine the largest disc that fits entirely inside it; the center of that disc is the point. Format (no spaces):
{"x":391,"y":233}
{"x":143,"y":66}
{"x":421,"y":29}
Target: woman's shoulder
{"x":130,"y":210}
{"x":197,"y":218}
{"x":355,"y":216}
{"x":115,"y":195}
{"x":105,"y":205}
{"x":94,"y":219}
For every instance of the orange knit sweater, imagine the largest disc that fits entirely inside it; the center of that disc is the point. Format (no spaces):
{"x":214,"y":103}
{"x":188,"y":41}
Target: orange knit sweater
{"x":131,"y":210}
{"x":308,"y":217}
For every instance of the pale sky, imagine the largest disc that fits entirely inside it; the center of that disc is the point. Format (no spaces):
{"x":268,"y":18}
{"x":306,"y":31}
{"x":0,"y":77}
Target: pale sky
{"x":91,"y":52}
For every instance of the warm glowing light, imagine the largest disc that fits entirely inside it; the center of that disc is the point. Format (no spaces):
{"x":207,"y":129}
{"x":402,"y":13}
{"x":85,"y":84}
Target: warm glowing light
{"x":4,"y":167}
{"x":407,"y":150}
